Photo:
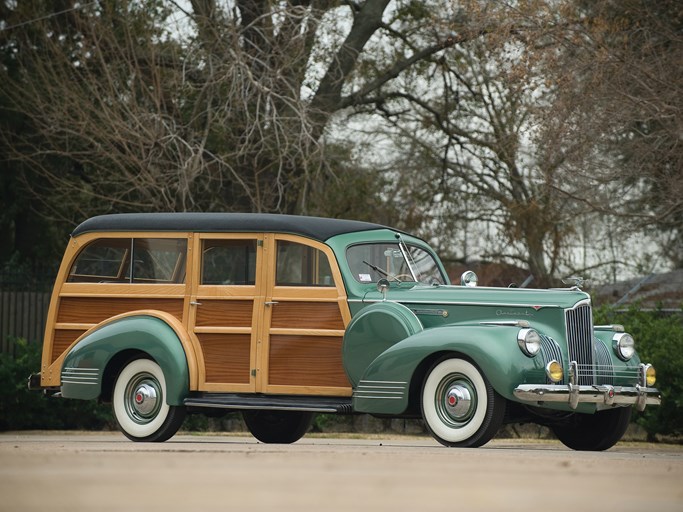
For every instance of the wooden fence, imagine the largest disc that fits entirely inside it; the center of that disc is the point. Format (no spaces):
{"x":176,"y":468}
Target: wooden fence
{"x":22,"y":315}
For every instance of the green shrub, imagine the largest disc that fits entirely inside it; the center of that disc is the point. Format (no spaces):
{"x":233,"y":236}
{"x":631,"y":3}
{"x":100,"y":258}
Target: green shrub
{"x":21,"y":409}
{"x":659,"y":341}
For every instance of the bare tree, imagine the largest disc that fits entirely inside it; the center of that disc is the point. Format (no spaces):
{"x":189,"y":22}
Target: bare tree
{"x":125,"y":115}
{"x":617,"y":84}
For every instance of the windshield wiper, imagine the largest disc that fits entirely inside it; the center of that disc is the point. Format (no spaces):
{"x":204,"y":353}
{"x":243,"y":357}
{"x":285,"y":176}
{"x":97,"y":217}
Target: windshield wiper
{"x":382,"y":271}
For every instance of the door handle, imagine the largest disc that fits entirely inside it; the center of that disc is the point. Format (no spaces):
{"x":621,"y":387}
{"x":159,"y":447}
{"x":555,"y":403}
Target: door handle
{"x":195,"y":303}
{"x":271,"y":302}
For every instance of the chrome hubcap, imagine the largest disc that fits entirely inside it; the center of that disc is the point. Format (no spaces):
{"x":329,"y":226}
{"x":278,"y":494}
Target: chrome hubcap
{"x":456,"y":400}
{"x":143,"y":398}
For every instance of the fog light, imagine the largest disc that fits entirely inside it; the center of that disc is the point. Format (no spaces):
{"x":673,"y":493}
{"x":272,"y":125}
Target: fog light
{"x":554,"y":371}
{"x":650,"y":376}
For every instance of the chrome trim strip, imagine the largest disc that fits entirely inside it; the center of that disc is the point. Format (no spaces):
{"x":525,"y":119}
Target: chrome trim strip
{"x":508,"y":323}
{"x":87,"y":376}
{"x":381,"y":382}
{"x":450,"y":303}
{"x":378,"y":397}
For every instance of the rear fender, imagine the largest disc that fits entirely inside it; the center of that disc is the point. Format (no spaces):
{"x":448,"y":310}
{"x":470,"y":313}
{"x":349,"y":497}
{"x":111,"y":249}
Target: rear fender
{"x":86,"y":362}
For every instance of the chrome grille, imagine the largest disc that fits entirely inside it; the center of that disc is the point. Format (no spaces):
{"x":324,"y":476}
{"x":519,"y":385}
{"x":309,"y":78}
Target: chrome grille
{"x":550,"y":350}
{"x":580,"y":342}
{"x":604,"y":369}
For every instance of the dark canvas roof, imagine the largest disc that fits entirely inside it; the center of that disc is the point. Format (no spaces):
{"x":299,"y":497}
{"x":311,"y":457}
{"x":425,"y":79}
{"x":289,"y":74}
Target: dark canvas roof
{"x":317,"y":228}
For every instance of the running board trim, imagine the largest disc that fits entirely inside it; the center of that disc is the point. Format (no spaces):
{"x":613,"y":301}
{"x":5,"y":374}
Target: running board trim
{"x":336,"y":405}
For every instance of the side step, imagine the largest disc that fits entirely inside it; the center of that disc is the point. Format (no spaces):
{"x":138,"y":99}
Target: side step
{"x":339,"y":405}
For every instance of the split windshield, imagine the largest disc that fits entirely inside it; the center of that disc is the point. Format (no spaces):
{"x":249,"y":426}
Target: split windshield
{"x":395,"y":261}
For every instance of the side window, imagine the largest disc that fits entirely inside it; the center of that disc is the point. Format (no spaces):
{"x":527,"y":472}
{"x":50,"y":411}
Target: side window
{"x":159,"y":260}
{"x":229,"y":262}
{"x":104,"y":260}
{"x":301,"y":265}
{"x":108,"y":260}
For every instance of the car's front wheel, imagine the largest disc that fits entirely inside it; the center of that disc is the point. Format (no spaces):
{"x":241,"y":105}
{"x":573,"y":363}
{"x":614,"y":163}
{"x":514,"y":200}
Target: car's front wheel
{"x":594,"y":432}
{"x":139,"y":403}
{"x":277,"y":426}
{"x":459,"y":405}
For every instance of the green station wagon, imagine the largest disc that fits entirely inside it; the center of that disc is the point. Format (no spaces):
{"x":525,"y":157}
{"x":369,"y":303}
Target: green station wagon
{"x":281,"y":317}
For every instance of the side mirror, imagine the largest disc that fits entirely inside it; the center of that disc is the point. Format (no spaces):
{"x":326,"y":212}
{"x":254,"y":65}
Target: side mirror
{"x":469,"y":279}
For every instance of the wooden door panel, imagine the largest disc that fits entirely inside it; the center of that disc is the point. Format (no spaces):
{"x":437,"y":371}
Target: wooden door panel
{"x":224,"y":313}
{"x":306,"y":361}
{"x":227,"y":357}
{"x":307,"y":315}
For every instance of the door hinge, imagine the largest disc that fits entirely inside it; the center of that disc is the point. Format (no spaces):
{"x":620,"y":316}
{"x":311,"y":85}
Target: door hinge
{"x":253,"y":372}
{"x":259,"y":243}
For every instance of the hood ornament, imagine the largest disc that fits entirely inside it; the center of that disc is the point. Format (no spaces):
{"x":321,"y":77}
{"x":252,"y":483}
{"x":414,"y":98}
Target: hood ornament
{"x":576,"y":282}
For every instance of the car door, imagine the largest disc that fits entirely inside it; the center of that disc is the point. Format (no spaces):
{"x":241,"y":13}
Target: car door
{"x":226,"y":308}
{"x":305,"y":314}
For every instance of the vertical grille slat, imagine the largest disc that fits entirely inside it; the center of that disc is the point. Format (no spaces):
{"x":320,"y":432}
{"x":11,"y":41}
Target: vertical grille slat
{"x":580,"y":342}
{"x":550,"y":351}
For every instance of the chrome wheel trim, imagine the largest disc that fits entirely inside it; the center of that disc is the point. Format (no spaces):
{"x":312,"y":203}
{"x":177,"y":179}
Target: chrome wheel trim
{"x":455,"y":400}
{"x":143,"y":398}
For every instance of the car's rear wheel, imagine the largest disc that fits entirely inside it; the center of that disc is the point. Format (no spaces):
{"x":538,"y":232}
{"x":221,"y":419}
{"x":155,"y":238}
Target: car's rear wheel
{"x":594,"y":432}
{"x":459,"y":405}
{"x":281,"y":427}
{"x":139,"y":403}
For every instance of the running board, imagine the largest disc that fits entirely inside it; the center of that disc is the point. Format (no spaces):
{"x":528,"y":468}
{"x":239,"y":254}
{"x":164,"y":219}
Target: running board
{"x":339,"y":405}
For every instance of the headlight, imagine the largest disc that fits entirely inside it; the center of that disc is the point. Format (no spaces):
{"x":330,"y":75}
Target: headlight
{"x":624,"y":345}
{"x":529,"y":342}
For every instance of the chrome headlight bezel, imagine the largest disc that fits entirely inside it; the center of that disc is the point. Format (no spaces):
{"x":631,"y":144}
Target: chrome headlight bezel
{"x":529,"y":342}
{"x":624,"y":346}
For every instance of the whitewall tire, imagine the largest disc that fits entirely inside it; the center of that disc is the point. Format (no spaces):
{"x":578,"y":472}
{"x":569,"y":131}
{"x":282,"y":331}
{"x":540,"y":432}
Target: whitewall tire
{"x":139,"y":403}
{"x":459,"y":405}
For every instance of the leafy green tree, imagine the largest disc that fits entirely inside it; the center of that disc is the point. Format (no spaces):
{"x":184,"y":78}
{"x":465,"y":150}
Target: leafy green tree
{"x":659,"y":341}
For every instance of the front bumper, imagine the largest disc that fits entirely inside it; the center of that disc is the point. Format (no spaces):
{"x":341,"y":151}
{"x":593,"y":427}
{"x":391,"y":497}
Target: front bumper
{"x":603,"y":395}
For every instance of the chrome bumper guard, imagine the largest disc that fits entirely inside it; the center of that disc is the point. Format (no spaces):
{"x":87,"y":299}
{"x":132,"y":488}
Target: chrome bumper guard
{"x":602,"y":395}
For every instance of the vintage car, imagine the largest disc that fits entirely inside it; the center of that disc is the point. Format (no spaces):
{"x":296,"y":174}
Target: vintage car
{"x":281,"y":317}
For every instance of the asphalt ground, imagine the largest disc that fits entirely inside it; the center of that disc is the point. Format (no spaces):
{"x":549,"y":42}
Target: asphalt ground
{"x":74,"y":472}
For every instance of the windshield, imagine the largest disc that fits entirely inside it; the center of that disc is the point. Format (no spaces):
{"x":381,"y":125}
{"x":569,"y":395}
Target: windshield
{"x":371,"y":262}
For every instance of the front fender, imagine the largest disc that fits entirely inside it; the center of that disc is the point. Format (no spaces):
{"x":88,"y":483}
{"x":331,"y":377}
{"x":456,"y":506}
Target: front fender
{"x":84,"y":365}
{"x":385,"y":385}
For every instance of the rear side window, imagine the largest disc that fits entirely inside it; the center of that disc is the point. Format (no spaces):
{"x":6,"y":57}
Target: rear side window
{"x":229,"y":262}
{"x":126,"y":260}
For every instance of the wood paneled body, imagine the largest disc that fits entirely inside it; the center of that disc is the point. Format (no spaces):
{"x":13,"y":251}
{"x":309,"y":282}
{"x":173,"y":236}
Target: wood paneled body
{"x":247,"y":332}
